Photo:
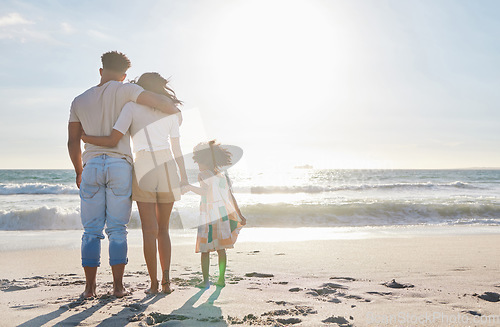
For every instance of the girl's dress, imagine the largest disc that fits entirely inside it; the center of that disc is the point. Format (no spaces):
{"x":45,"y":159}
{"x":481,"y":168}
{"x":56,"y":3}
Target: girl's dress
{"x":219,"y":222}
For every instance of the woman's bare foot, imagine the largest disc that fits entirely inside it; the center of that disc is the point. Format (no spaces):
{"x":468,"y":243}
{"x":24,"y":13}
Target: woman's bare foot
{"x":204,"y":284}
{"x":165,"y":288}
{"x":221,"y":283}
{"x":153,"y":289}
{"x":120,"y":292}
{"x":87,"y":295}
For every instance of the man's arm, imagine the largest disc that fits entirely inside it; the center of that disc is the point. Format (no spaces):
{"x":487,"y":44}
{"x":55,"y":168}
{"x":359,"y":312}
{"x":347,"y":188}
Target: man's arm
{"x":74,"y":149}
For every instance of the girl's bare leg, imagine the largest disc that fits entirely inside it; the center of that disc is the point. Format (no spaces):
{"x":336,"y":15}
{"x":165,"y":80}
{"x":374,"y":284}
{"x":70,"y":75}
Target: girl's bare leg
{"x":149,"y":224}
{"x":221,"y":282}
{"x":163,"y":211}
{"x":205,"y":264}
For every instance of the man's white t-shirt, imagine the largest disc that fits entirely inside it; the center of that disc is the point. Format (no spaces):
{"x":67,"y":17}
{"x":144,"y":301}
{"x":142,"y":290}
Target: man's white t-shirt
{"x":97,"y":109}
{"x":150,"y":128}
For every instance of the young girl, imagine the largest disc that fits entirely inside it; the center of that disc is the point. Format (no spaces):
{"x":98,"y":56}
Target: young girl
{"x":155,"y":183}
{"x":220,"y":216}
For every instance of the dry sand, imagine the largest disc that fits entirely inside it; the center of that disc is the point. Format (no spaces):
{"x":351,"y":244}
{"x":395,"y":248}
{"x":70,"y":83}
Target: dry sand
{"x":443,"y":280}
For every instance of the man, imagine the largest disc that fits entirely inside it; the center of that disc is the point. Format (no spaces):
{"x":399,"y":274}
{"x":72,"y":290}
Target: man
{"x":105,"y":176}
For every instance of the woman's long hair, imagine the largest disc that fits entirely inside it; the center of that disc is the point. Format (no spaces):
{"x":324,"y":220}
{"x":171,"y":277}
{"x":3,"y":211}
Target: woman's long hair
{"x":154,"y":82}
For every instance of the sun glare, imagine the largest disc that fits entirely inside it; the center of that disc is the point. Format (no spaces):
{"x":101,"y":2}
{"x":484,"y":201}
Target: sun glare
{"x":278,"y":46}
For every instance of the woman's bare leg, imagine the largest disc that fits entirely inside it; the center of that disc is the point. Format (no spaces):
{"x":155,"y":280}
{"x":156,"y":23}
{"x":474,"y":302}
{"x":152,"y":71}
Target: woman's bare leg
{"x":163,"y":211}
{"x":147,"y":211}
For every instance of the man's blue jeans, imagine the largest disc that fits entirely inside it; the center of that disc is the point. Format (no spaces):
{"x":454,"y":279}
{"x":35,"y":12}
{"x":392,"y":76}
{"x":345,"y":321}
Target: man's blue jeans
{"x":105,"y":193}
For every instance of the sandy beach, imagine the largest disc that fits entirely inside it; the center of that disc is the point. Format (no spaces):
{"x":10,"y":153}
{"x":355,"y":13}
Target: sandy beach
{"x":356,"y":140}
{"x":442,"y":276}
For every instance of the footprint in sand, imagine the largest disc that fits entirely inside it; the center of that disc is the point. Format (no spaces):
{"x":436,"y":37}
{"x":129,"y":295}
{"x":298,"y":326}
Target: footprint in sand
{"x":350,"y":279}
{"x":295,"y":289}
{"x":26,"y":306}
{"x":259,"y":275}
{"x":14,"y":285}
{"x":333,"y":285}
{"x":297,"y":310}
{"x":158,"y":318}
{"x":461,"y":269}
{"x":489,"y":296}
{"x":289,"y":321}
{"x":339,"y":320}
{"x":137,"y":317}
{"x":326,"y":288}
{"x":380,"y":293}
{"x":278,"y":302}
{"x":270,"y":318}
{"x":394,"y":284}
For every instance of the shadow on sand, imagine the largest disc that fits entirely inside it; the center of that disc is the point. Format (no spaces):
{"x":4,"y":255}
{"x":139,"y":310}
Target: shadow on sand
{"x":76,"y":319}
{"x":205,"y":314}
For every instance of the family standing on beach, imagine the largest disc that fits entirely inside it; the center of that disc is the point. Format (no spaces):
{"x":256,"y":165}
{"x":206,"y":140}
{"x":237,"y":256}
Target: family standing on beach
{"x":105,"y":117}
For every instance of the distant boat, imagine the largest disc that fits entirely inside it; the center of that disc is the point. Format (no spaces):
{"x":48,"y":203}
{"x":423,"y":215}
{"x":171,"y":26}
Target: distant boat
{"x":304,"y":167}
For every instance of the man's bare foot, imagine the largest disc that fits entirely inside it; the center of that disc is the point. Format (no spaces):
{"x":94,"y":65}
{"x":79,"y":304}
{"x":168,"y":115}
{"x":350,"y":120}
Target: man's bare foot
{"x":204,"y":284}
{"x":221,"y":283}
{"x":120,"y":292}
{"x":165,"y":288}
{"x":89,"y":292}
{"x":153,"y":289}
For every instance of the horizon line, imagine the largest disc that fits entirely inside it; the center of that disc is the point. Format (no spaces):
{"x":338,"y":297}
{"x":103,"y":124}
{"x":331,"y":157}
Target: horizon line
{"x":313,"y":168}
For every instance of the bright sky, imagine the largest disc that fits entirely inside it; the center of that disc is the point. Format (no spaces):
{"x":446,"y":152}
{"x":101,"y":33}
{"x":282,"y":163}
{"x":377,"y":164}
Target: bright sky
{"x":349,"y":84}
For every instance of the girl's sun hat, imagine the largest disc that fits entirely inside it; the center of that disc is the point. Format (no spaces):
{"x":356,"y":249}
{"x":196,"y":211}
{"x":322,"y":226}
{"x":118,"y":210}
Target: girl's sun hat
{"x":204,"y":149}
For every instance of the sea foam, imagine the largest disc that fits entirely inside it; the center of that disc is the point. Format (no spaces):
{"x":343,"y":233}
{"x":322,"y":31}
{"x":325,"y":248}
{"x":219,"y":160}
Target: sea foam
{"x":37,"y":188}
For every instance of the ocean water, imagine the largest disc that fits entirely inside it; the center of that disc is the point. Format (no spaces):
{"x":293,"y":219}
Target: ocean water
{"x":48,"y":199}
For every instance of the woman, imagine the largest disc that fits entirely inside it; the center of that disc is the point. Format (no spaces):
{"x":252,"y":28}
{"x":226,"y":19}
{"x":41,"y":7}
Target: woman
{"x":156,"y":185}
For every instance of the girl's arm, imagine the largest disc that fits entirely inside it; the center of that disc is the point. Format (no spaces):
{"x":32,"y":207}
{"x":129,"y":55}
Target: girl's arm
{"x":196,"y":189}
{"x":243,"y":219}
{"x":107,"y":141}
{"x":179,"y":159}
